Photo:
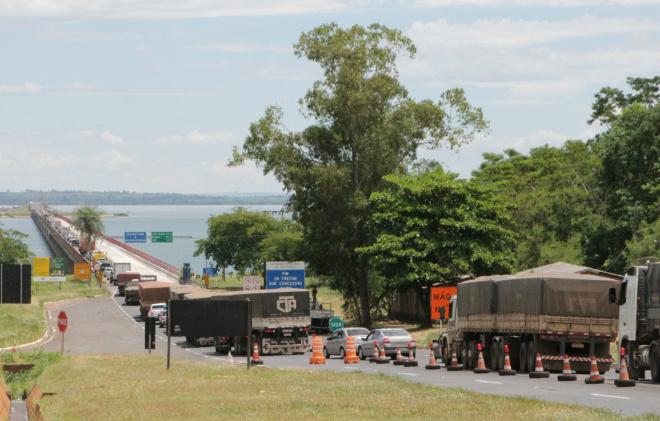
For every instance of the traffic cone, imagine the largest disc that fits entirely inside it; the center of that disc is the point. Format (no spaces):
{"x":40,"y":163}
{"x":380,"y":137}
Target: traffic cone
{"x":399,"y":359}
{"x":594,"y":375}
{"x":317,"y":351}
{"x":454,"y":365}
{"x":432,"y":365}
{"x":566,"y":374}
{"x":231,"y":359}
{"x":13,"y":351}
{"x":481,"y":365}
{"x":507,"y":371}
{"x":255,"y":356}
{"x":624,"y":380}
{"x":351,"y":356}
{"x":411,"y":358}
{"x":538,"y":372}
{"x":374,"y":356}
{"x":383,"y":358}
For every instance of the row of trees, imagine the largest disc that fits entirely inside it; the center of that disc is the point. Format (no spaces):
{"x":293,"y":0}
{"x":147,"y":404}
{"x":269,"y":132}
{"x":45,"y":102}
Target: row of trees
{"x":374,"y":219}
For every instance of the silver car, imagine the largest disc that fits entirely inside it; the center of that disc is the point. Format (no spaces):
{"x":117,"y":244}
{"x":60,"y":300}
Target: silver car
{"x":336,"y":343}
{"x":389,"y":340}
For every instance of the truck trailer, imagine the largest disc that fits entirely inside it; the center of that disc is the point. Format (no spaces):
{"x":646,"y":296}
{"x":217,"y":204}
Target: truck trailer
{"x":638,"y":298}
{"x":123,"y":278}
{"x":280,"y":321}
{"x":118,"y":268}
{"x":552,"y":314}
{"x":153,"y":293}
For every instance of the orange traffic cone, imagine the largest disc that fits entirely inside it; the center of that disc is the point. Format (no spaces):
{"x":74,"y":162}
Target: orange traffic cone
{"x":432,"y":364}
{"x":255,"y":356}
{"x":481,"y":365}
{"x":411,"y":358}
{"x":507,"y":371}
{"x":374,"y":356}
{"x":383,"y":359}
{"x":454,"y":366}
{"x":594,"y":375}
{"x":231,"y":359}
{"x":351,"y":356}
{"x":538,"y":372}
{"x":399,"y":360}
{"x":317,"y":351}
{"x":566,"y":374}
{"x":624,"y":379}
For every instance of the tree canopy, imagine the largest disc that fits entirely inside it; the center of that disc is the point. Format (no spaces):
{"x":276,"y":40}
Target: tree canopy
{"x":432,"y":228}
{"x":365,"y":126}
{"x":13,"y":250}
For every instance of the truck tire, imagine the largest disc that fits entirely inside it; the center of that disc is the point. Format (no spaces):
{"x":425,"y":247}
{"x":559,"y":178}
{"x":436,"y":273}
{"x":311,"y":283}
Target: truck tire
{"x":531,"y":356}
{"x":655,"y":363}
{"x":523,"y":357}
{"x":472,"y":355}
{"x":500,"y":354}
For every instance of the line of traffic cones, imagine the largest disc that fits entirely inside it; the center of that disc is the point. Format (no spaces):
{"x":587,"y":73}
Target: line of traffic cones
{"x":481,"y":365}
{"x":454,"y":365}
{"x":507,"y":371}
{"x":432,"y":364}
{"x":566,"y":373}
{"x":317,"y":351}
{"x":411,"y":358}
{"x":538,"y":372}
{"x":351,"y":357}
{"x":255,"y":356}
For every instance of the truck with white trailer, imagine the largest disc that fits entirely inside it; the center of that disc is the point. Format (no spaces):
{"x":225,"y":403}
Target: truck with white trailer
{"x":552,"y":314}
{"x":638,"y":300}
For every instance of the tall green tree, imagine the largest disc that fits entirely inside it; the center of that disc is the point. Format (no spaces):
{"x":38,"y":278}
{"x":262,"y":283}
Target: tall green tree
{"x":87,"y":219}
{"x":13,"y":250}
{"x":434,"y":228}
{"x":245,"y":240}
{"x":610,"y":102}
{"x":365,"y":126}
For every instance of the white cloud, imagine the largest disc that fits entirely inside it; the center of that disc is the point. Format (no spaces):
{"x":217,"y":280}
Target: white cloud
{"x":26,"y":87}
{"x":87,"y":133}
{"x":163,"y":9}
{"x":530,"y":3}
{"x":110,"y":138}
{"x":197,"y":138}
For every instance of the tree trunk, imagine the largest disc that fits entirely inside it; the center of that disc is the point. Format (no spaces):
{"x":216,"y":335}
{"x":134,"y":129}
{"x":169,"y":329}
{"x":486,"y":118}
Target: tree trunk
{"x":365,"y":295}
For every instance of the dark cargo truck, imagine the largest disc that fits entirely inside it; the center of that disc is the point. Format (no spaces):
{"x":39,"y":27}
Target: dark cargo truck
{"x":280,"y":321}
{"x":153,"y":293}
{"x":123,"y":278}
{"x":638,"y":298}
{"x":553,"y":314}
{"x":132,"y":288}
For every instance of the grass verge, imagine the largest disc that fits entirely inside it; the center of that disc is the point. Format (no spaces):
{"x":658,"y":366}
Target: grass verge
{"x":139,"y":387}
{"x":25,"y":323}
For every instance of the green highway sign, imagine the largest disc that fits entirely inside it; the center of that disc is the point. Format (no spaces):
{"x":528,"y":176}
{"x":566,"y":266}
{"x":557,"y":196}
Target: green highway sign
{"x":336,"y":323}
{"x":162,"y":237}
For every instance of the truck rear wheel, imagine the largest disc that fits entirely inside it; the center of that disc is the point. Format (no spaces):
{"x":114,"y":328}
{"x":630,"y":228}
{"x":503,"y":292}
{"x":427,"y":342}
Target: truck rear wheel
{"x":500,"y":354}
{"x":655,"y":363}
{"x":523,"y":357}
{"x":531,"y":356}
{"x":495,"y":356}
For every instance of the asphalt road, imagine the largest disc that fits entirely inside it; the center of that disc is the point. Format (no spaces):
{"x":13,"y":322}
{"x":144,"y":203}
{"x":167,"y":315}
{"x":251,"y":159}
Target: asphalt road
{"x":105,"y":325}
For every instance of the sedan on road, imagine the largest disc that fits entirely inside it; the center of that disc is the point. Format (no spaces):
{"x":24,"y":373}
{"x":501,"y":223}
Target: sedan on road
{"x":389,"y":340}
{"x":336,"y":343}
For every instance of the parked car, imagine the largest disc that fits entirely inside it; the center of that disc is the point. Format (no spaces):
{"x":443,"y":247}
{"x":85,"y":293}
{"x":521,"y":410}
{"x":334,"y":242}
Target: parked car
{"x":336,"y":343}
{"x":155,"y":310}
{"x":162,"y":319}
{"x":388,"y":339}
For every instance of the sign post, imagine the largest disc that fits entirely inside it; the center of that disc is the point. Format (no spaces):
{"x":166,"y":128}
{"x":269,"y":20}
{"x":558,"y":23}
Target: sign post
{"x":62,"y":323}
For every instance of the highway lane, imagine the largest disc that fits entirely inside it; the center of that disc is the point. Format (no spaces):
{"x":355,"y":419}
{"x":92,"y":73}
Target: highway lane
{"x":105,"y":325}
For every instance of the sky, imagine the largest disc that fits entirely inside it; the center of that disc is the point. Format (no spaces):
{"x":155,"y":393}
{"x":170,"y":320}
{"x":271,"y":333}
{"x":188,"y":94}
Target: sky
{"x":151,"y":96}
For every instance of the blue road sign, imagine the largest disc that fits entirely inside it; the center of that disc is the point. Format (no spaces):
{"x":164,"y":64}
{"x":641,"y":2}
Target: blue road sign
{"x":285,"y":275}
{"x":135,"y":237}
{"x":210,"y":271}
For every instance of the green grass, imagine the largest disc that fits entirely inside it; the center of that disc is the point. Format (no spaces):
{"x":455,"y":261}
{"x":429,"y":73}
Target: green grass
{"x":140,"y":388}
{"x":18,"y":383}
{"x":25,"y":323}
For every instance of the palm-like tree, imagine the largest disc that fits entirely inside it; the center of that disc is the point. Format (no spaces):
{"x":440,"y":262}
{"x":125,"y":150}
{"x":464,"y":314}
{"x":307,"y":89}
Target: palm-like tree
{"x":88,"y":221}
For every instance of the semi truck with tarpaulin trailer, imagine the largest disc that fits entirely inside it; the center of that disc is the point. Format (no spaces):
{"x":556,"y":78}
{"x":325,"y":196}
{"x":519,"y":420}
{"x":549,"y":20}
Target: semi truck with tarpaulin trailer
{"x":552,"y":314}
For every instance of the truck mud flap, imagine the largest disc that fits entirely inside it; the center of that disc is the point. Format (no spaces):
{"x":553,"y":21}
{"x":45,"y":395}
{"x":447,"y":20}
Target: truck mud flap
{"x":268,"y":348}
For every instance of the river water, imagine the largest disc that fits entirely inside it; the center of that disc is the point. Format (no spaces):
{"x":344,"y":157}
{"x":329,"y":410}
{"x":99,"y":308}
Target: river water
{"x":181,"y":220}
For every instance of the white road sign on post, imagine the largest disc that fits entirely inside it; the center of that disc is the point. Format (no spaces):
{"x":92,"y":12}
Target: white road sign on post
{"x":251,"y":283}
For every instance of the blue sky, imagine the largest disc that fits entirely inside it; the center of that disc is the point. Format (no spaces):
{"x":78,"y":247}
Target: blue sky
{"x":150,"y":96}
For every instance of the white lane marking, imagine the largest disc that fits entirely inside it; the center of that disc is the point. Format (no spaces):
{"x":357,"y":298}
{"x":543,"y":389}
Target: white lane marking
{"x":486,"y":381}
{"x":406,"y":374}
{"x":610,"y":396}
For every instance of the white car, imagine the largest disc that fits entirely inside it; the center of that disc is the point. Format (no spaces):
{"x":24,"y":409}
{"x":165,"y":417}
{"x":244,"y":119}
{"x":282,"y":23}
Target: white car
{"x":107,"y":272}
{"x":155,"y":310}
